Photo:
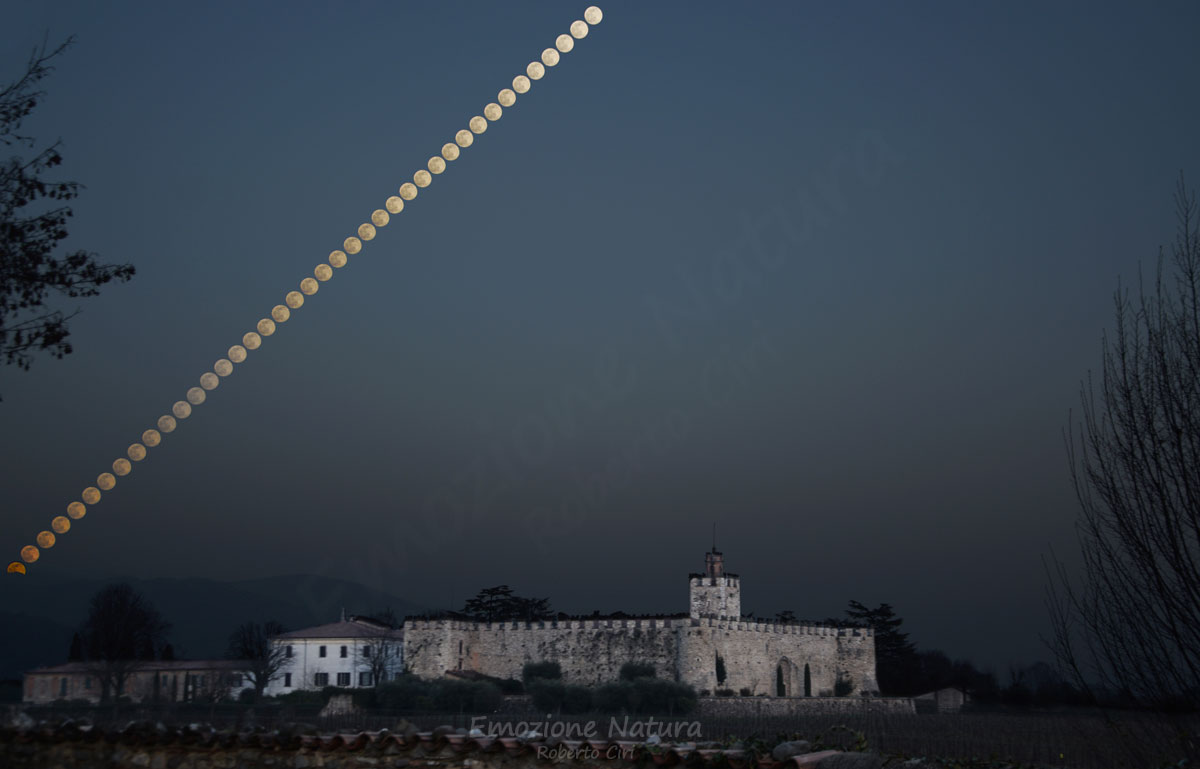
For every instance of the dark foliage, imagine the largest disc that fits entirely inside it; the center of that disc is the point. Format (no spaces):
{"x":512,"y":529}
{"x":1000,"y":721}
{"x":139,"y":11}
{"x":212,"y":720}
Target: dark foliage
{"x":444,"y":695}
{"x":1130,"y":622}
{"x":33,"y":223}
{"x":251,"y":641}
{"x":122,"y":630}
{"x":631,"y":671}
{"x":540,"y":670}
{"x":894,"y":653}
{"x":499,"y":604}
{"x":554,"y":696}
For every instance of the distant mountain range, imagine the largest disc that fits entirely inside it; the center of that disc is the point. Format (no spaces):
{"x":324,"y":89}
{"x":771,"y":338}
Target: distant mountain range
{"x":39,"y":619}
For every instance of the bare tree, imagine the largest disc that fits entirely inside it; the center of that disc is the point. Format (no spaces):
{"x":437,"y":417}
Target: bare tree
{"x":1131,"y":623}
{"x":379,"y":653}
{"x":122,"y":631}
{"x":251,"y":642}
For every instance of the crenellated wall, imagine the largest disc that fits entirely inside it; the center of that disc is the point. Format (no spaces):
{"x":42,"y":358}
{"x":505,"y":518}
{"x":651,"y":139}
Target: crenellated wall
{"x":767,"y":658}
{"x":589,"y":651}
{"x":715,"y":596}
{"x":592,"y":651}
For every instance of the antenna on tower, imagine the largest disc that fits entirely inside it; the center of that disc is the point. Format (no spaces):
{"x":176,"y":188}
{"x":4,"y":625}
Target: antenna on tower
{"x":714,"y":537}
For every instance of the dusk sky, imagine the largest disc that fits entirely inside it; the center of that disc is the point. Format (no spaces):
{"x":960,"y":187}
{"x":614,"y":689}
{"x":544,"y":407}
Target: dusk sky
{"x":826,"y":275}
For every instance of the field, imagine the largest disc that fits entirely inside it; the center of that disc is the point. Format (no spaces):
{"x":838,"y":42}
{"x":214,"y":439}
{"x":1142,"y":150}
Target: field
{"x":1073,"y":740}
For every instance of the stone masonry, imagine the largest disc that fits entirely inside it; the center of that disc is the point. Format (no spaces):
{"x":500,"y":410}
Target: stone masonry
{"x":766,"y":658}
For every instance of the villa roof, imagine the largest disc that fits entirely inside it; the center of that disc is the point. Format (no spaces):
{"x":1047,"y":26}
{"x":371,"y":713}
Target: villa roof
{"x":351,"y":628}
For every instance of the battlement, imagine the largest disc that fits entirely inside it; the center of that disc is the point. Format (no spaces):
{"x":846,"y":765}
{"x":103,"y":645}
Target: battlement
{"x":712,"y":641}
{"x":574,"y":623}
{"x":640,"y":623}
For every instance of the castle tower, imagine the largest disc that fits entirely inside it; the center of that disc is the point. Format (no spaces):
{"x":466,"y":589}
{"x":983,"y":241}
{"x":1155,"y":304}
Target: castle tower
{"x":715,"y":593}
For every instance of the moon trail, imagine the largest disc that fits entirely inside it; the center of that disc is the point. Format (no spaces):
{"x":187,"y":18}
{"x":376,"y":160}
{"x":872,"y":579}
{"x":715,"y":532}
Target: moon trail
{"x":294,"y":300}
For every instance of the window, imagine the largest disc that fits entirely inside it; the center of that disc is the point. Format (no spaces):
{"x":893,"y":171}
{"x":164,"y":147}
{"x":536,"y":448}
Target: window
{"x":343,"y":651}
{"x":343,"y":679}
{"x":321,"y":651}
{"x":321,"y":679}
{"x":366,"y":651}
{"x":287,"y":680}
{"x":287,"y":650}
{"x":62,"y":687}
{"x":364,"y":679}
{"x":87,"y":682}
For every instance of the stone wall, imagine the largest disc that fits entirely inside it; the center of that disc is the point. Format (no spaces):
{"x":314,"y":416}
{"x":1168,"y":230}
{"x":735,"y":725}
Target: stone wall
{"x":715,"y":596}
{"x":754,"y":654}
{"x":589,"y":651}
{"x":136,"y":747}
{"x":593,"y":651}
{"x":733,"y":707}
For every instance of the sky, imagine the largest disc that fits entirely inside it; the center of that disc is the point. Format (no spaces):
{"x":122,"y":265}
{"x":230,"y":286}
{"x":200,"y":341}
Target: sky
{"x":827,"y":276}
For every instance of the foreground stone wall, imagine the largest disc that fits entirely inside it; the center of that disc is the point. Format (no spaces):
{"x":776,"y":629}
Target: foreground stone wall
{"x":140,"y":747}
{"x":733,"y":707}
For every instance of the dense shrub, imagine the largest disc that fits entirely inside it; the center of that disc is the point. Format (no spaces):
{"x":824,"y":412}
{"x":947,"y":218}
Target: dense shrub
{"x":544,"y":670}
{"x":407,"y":692}
{"x":556,"y":697}
{"x":843,"y":686}
{"x":303,"y":697}
{"x":576,"y":699}
{"x":457,"y":696}
{"x":444,"y":695}
{"x":613,"y":697}
{"x":645,"y":695}
{"x":508,"y":685}
{"x":634,"y":670}
{"x":724,"y":692}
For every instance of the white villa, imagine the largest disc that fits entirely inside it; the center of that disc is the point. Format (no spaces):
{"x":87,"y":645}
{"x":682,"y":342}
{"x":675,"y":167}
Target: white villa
{"x":349,"y":653}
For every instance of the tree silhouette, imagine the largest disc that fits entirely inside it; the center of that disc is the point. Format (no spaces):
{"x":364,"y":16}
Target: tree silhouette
{"x":895,"y":655}
{"x":380,"y":653}
{"x":30,"y":233}
{"x":121,"y":631}
{"x":251,"y":641}
{"x":496,"y":604}
{"x":76,"y":652}
{"x":1131,"y":622}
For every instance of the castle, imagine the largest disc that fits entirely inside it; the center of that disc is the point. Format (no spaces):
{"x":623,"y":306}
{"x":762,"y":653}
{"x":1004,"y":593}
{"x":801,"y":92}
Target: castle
{"x":712,"y":647}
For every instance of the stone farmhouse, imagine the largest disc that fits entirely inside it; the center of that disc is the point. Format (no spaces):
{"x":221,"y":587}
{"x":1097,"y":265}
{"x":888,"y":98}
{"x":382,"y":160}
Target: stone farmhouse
{"x":152,"y":681}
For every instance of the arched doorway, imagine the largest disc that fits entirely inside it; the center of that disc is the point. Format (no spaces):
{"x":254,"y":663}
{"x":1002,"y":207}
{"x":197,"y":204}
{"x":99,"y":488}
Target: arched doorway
{"x":789,"y":681}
